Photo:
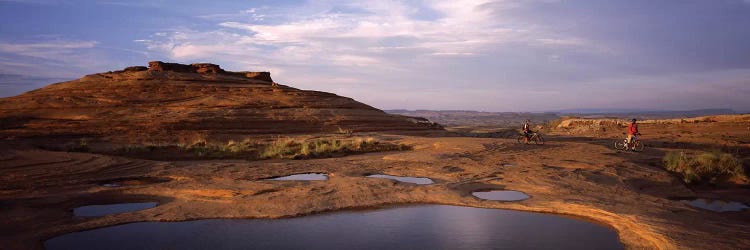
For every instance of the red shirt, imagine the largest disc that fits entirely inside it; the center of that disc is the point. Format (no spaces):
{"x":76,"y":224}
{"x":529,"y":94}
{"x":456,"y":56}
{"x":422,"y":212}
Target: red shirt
{"x":633,"y":129}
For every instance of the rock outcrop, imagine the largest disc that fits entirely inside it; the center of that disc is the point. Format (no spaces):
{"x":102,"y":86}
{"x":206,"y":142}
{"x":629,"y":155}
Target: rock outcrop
{"x":169,"y":99}
{"x":195,"y":68}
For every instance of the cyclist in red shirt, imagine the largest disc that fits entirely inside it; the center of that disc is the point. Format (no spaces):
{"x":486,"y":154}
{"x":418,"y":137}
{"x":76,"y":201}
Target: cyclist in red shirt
{"x":632,"y":132}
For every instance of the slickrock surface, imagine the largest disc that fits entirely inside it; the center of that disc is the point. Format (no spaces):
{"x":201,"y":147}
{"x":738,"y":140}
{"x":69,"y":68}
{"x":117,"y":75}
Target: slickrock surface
{"x":169,"y":99}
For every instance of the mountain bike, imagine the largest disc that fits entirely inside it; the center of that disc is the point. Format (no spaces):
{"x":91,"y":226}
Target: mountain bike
{"x":635,"y":145}
{"x":534,"y":137}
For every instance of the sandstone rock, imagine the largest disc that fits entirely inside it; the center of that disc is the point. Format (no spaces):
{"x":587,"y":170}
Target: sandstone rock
{"x":135,"y":69}
{"x":170,"y":100}
{"x":264,"y":76}
{"x":203,"y":68}
{"x":174,"y":67}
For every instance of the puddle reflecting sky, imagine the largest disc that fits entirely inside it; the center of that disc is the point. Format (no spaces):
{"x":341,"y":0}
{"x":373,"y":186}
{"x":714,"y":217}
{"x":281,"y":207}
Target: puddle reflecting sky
{"x":501,"y":195}
{"x":416,"y":227}
{"x":415,"y":180}
{"x":101,"y":210}
{"x":716,"y":205}
{"x":303,"y":177}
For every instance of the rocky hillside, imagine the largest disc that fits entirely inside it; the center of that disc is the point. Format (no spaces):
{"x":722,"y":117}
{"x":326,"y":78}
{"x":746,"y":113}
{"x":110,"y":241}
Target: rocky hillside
{"x":168,"y":99}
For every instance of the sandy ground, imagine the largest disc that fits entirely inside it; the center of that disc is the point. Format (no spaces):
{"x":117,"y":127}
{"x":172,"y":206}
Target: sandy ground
{"x":575,"y":176}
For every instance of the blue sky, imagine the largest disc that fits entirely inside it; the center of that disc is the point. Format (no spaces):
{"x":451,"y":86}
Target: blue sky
{"x":505,"y":55}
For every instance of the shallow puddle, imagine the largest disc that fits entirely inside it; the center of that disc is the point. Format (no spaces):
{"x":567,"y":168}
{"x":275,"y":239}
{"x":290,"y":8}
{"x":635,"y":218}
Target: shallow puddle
{"x":415,"y":227}
{"x":501,"y":195}
{"x":408,"y":179}
{"x":716,"y":205}
{"x":302,"y":177}
{"x":102,"y":210}
{"x":132,"y":181}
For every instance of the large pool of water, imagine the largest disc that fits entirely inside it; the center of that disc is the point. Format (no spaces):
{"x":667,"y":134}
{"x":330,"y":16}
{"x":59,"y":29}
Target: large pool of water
{"x":414,"y":227}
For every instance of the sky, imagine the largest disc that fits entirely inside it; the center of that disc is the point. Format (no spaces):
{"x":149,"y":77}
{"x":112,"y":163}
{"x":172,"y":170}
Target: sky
{"x":503,"y":55}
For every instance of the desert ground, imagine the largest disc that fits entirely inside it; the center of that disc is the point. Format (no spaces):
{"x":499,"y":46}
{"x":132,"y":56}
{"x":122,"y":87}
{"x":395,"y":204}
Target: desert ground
{"x":575,"y":173}
{"x":571,"y":175}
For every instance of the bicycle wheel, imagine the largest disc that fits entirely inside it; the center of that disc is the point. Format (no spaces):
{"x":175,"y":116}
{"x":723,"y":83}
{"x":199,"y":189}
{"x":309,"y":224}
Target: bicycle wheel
{"x":638,"y":146}
{"x":538,"y":139}
{"x":620,"y":145}
{"x":521,"y":139}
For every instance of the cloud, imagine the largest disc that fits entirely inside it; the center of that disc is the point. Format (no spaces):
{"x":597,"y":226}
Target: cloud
{"x":343,"y":39}
{"x":479,"y":50}
{"x":50,"y":50}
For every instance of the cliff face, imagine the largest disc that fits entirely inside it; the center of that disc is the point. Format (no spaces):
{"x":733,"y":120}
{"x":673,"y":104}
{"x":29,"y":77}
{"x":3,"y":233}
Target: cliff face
{"x":168,"y":99}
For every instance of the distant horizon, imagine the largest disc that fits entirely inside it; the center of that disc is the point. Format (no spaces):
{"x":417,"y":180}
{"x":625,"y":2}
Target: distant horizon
{"x":587,"y":110}
{"x":529,"y":56}
{"x":578,"y":111}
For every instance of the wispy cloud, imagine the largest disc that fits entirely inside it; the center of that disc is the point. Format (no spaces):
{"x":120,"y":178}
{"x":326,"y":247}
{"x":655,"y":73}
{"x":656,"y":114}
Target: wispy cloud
{"x":51,"y":50}
{"x":368,"y":33}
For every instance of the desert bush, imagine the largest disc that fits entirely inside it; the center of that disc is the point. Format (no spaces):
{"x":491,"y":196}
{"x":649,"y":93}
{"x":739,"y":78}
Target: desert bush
{"x":345,"y":131}
{"x":200,"y":148}
{"x":81,"y":145}
{"x":707,"y":166}
{"x":280,"y":148}
{"x":238,"y":147}
{"x":325,"y":147}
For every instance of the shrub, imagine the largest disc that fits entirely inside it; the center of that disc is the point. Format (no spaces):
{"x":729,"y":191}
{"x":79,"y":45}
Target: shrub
{"x":707,"y":166}
{"x":348,"y":132}
{"x":325,"y":147}
{"x":81,"y":145}
{"x":280,"y":148}
{"x":238,"y":147}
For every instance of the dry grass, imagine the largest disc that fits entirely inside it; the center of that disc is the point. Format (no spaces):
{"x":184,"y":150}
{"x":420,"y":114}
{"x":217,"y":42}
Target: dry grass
{"x":705,"y":167}
{"x":80,"y":145}
{"x":326,"y":147}
{"x":280,"y":148}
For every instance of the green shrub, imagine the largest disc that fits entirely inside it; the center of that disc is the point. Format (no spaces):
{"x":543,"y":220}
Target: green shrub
{"x":708,"y":166}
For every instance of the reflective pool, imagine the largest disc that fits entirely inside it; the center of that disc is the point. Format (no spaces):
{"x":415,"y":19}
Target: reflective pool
{"x":302,"y":177}
{"x":102,"y":210}
{"x":408,"y":179}
{"x":501,"y":195}
{"x":414,"y":227}
{"x":716,"y":205}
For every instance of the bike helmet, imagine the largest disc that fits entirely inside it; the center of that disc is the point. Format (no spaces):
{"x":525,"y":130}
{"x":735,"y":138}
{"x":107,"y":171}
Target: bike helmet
{"x":633,"y":120}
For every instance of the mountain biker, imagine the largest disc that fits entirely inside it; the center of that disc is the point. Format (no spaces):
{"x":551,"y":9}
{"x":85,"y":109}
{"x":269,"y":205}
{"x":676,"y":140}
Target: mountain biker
{"x":632,"y":132}
{"x":527,"y":130}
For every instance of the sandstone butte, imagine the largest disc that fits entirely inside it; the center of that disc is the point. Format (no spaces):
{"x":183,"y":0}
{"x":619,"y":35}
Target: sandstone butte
{"x":170,"y":100}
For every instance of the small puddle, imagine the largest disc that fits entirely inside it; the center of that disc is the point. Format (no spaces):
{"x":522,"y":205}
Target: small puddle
{"x":408,"y":179}
{"x":413,"y":227}
{"x":716,"y":205}
{"x":133,"y":181}
{"x":302,"y":177}
{"x":501,"y":195}
{"x":102,"y":210}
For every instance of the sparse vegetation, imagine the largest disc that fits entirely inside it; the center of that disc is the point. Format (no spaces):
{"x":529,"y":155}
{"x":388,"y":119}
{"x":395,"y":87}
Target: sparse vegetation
{"x":280,"y":148}
{"x":326,"y":147}
{"x":81,"y":145}
{"x":342,"y":131}
{"x":705,"y":167}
